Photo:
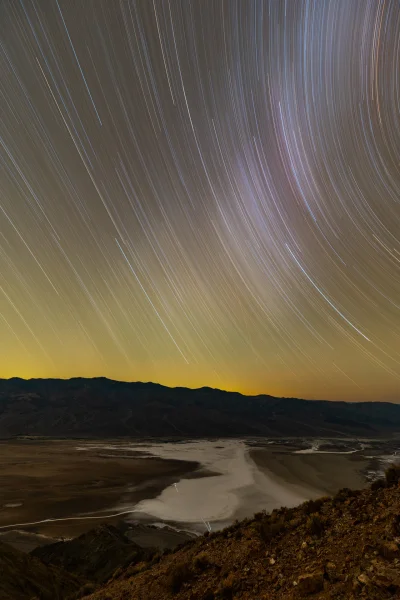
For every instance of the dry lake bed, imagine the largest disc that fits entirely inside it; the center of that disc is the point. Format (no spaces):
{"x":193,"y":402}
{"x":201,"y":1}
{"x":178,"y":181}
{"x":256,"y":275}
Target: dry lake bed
{"x":60,"y":488}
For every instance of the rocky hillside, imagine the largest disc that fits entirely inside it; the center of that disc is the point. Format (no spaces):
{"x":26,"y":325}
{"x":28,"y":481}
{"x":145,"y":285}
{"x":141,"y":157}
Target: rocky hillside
{"x":24,"y":577}
{"x":104,"y":408}
{"x":345,"y":548}
{"x":94,"y":555}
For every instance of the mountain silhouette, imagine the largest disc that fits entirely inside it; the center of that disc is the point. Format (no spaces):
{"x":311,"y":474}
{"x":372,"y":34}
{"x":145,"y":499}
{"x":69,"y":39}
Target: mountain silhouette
{"x":102,"y":407}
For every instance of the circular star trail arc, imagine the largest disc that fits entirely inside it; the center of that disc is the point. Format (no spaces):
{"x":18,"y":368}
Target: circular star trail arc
{"x":202,"y":193}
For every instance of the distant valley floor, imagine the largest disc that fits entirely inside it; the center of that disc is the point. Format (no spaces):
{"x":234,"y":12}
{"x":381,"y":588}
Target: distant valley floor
{"x":189,"y":484}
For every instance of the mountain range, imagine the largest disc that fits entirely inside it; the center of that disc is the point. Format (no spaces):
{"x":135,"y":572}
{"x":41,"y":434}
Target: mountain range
{"x":101,"y":407}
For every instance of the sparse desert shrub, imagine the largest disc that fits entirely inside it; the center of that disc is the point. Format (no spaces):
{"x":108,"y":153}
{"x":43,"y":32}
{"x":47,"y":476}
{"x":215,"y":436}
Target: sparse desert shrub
{"x":313,"y":506}
{"x":378,"y":484}
{"x":268,"y":531}
{"x":396,"y":525}
{"x":224,"y":570}
{"x":392,"y":475}
{"x":274,"y":515}
{"x":214,"y":534}
{"x":286,"y":513}
{"x":131,"y":571}
{"x":325,"y":499}
{"x":344,"y":494}
{"x":156,"y":558}
{"x":260,"y":515}
{"x":201,"y":561}
{"x":227,"y":586}
{"x":180,"y":573}
{"x":294,"y":523}
{"x":316,"y":525}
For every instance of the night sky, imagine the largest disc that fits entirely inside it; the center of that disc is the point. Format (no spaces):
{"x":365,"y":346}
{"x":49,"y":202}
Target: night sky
{"x":202,"y":192}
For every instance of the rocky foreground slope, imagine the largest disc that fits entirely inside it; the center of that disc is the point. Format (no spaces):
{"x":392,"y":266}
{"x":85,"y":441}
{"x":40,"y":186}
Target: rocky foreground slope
{"x":344,"y":548}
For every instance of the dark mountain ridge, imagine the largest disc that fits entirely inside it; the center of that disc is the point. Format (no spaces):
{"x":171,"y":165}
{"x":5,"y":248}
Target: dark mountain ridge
{"x":25,"y":577}
{"x":102,"y":407}
{"x":94,"y":555}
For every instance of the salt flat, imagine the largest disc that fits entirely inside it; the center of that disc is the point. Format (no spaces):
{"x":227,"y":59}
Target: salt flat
{"x":64,"y":487}
{"x":246,"y":478}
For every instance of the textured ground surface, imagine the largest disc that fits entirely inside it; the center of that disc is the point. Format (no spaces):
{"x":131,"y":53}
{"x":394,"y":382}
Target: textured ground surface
{"x":345,"y":548}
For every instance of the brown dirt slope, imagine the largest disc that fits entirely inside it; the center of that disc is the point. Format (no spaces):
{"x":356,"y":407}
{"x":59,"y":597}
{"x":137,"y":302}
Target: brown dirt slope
{"x":25,"y":577}
{"x":344,"y":548}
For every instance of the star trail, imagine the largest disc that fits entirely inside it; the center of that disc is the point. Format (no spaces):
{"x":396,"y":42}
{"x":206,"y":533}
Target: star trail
{"x":202,"y":192}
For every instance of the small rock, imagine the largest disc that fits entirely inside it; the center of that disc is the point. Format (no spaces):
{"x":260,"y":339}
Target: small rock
{"x":331,"y":571}
{"x":363,"y":579}
{"x":389,"y":550}
{"x":311,"y":583}
{"x":367,"y":548}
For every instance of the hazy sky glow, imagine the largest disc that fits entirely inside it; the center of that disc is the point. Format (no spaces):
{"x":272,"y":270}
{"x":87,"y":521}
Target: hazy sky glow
{"x":202,"y":192}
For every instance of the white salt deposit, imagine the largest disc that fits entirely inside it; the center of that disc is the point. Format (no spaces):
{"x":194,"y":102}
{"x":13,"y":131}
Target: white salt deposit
{"x":215,"y":500}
